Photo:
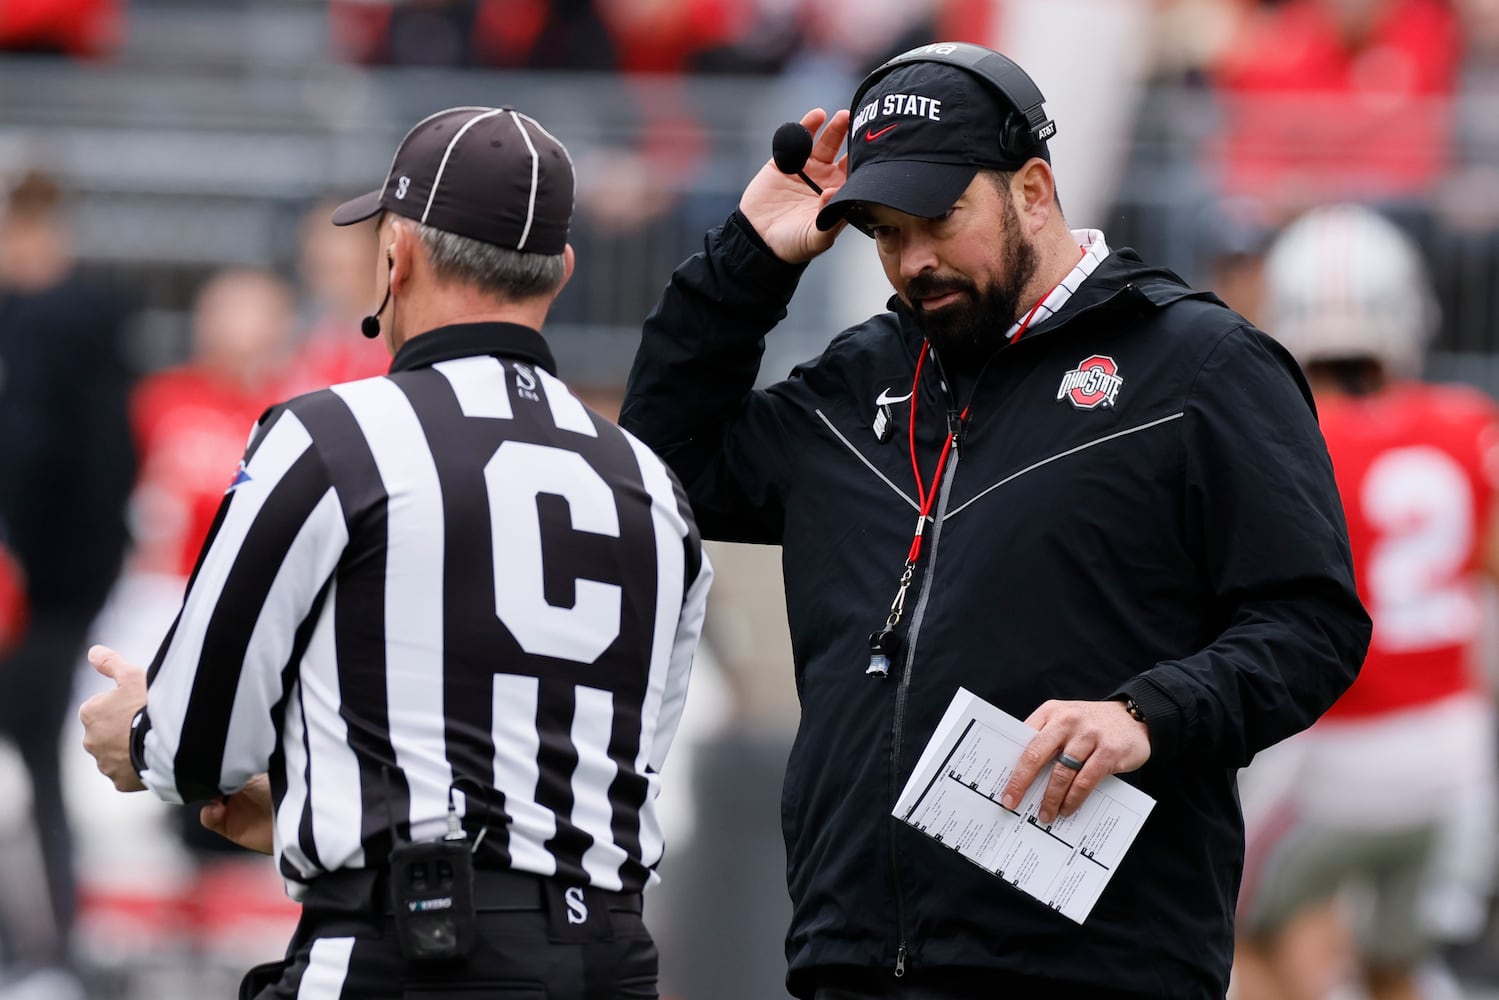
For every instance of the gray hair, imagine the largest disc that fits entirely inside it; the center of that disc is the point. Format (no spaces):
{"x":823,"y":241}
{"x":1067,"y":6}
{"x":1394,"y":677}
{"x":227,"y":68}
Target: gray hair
{"x":505,"y":274}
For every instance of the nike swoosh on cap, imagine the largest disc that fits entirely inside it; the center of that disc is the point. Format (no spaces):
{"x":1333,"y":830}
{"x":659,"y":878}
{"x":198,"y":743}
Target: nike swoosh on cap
{"x":872,"y":136}
{"x":884,"y":398}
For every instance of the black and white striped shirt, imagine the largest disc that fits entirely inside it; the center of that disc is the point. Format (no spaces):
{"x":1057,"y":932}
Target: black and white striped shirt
{"x":454,"y":576}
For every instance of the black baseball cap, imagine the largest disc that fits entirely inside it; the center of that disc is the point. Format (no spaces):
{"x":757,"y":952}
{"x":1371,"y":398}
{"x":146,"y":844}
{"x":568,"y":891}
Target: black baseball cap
{"x":920,"y":135}
{"x":491,"y":174}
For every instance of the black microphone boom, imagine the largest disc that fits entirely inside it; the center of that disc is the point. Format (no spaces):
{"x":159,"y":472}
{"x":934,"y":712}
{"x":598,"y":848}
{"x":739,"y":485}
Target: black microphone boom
{"x":790,"y":149}
{"x":370,"y":325}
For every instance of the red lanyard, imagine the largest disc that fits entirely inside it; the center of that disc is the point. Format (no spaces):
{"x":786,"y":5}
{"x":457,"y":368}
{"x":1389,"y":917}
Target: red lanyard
{"x":926,"y":498}
{"x":884,"y":644}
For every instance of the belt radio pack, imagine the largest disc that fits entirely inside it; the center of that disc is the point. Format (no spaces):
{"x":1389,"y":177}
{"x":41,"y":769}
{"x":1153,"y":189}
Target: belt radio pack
{"x":432,"y":894}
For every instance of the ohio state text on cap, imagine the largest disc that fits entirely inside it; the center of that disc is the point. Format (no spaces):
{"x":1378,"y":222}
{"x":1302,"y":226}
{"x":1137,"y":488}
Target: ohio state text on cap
{"x":491,"y":174}
{"x":919,"y":137}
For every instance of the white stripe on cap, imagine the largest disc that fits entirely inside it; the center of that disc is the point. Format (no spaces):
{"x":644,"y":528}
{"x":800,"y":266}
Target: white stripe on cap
{"x":409,"y":132}
{"x":571,"y":166}
{"x":542,"y":129}
{"x":535,"y":173}
{"x":437,"y":181}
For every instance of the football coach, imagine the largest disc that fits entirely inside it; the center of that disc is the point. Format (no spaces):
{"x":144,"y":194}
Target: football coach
{"x":1047,"y":472}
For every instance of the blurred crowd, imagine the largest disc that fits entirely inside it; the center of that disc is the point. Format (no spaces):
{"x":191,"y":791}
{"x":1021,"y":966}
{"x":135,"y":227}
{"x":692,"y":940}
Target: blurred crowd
{"x":1302,"y":102}
{"x":110,"y":475}
{"x":614,"y":36}
{"x":111,"y":480}
{"x":1277,"y":105}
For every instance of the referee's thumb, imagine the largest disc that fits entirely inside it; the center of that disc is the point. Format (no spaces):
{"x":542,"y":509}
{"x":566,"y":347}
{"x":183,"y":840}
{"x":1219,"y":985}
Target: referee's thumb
{"x":213,"y":816}
{"x":106,"y":661}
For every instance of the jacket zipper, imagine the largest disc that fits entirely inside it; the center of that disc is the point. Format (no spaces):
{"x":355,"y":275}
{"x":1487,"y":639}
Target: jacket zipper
{"x":901,"y":690}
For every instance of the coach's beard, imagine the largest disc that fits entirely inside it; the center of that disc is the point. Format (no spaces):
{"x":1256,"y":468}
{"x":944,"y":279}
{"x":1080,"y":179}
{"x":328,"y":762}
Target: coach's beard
{"x":967,"y":332}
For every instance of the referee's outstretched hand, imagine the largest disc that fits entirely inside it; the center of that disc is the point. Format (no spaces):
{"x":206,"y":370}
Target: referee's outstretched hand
{"x":244,"y":817}
{"x":106,"y":717}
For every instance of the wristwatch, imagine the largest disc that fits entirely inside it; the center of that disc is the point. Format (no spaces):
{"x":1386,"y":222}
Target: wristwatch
{"x":139,"y":726}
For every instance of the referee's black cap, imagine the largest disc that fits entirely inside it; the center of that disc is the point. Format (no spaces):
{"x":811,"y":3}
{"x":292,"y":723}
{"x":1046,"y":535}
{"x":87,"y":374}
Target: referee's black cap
{"x":491,"y":174}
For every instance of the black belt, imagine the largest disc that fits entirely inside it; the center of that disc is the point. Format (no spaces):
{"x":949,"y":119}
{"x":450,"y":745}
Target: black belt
{"x":356,"y":891}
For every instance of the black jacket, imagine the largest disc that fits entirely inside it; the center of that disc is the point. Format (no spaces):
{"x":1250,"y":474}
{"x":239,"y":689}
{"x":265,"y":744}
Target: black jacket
{"x":66,"y":458}
{"x":1184,"y":546}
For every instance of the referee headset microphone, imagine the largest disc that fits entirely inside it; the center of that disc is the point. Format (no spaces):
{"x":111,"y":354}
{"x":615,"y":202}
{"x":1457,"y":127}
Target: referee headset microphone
{"x":370,"y":325}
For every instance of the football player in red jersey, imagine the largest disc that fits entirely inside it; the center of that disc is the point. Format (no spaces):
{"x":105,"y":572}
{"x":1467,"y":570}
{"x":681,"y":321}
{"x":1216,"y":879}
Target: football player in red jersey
{"x":1393,"y":790}
{"x":337,"y":282}
{"x":189,"y":421}
{"x":190,"y":424}
{"x":12,"y":602}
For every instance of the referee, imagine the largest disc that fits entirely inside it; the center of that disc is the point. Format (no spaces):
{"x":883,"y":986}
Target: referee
{"x":449,"y":612}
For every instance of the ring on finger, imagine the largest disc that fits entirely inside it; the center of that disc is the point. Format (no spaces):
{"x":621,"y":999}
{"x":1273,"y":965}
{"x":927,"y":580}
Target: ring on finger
{"x":1070,"y":762}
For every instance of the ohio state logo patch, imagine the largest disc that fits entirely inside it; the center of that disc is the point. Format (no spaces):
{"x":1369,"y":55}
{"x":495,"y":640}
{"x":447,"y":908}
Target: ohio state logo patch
{"x":1093,"y":383}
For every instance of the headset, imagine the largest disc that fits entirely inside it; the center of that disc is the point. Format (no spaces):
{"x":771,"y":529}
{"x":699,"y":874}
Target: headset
{"x":1023,"y":135}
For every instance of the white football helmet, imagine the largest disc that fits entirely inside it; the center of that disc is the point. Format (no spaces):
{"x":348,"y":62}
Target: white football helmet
{"x":1341,"y":283}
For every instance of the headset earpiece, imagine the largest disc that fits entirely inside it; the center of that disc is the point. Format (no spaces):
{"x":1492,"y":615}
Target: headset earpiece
{"x":1018,"y":138}
{"x":1015,"y":138}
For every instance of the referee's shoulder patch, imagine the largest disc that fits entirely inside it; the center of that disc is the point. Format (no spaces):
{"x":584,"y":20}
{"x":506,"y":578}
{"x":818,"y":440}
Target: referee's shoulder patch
{"x":240,"y":478}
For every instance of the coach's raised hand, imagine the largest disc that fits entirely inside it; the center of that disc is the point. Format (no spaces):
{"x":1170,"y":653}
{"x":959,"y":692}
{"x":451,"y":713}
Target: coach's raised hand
{"x":106,"y":717}
{"x":783,"y":209}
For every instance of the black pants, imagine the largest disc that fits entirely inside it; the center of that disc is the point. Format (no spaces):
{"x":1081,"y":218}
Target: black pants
{"x":516,"y":956}
{"x":957,"y":984}
{"x":38,"y":683}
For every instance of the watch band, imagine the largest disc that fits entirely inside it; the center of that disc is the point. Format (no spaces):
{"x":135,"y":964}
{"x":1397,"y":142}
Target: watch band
{"x":139,"y":727}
